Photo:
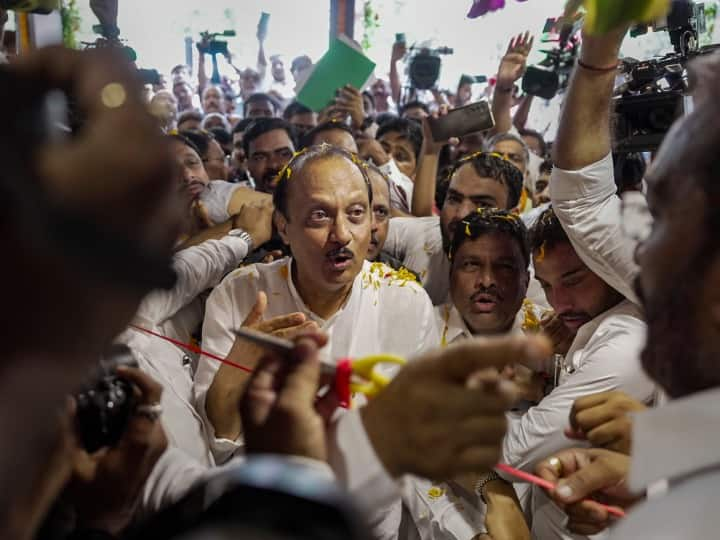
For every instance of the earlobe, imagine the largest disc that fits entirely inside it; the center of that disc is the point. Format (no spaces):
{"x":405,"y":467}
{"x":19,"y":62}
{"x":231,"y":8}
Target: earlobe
{"x":281,"y":226}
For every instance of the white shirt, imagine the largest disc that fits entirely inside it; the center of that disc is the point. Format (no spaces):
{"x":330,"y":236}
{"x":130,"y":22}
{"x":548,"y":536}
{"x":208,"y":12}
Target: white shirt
{"x":604,"y":356}
{"x":216,"y":197}
{"x":587,"y":205}
{"x":401,"y":187}
{"x":679,"y":442}
{"x":198,"y":268}
{"x":383,"y":314}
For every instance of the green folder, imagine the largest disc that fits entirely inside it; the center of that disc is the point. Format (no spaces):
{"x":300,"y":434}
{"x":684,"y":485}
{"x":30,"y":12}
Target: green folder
{"x":343,"y":63}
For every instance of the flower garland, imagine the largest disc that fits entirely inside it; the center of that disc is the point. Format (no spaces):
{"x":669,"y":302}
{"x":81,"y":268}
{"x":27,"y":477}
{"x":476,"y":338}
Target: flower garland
{"x":371,"y":22}
{"x":70,"y":15}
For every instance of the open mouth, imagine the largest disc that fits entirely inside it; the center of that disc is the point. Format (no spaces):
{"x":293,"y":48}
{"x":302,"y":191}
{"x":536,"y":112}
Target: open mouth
{"x":340,"y":260}
{"x":484,"y":303}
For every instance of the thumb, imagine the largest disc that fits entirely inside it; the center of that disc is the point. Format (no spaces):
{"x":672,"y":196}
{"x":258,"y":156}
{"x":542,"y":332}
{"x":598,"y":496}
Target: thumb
{"x":257,"y":311}
{"x":584,"y":483}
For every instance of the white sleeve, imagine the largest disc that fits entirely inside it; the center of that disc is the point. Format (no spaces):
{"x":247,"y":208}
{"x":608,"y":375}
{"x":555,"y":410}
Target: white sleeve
{"x":399,"y":198}
{"x":587,"y":205}
{"x":198,"y":268}
{"x":613,"y":363}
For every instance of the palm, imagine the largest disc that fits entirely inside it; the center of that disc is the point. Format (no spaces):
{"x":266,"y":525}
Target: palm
{"x":513,"y":64}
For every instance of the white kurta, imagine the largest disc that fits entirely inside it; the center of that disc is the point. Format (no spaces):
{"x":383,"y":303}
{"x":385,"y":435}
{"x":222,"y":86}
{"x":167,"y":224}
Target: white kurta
{"x":216,"y":197}
{"x":604,"y":356}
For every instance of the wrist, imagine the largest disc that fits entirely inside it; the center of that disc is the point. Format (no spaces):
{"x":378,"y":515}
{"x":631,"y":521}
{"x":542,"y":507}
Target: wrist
{"x":381,"y":444}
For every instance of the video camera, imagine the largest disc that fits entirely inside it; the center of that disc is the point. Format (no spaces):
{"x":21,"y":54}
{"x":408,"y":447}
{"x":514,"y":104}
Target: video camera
{"x":31,"y":6}
{"x":424,"y":66}
{"x":552,"y":75}
{"x":209,"y":45}
{"x":112,"y":39}
{"x":655,"y":91}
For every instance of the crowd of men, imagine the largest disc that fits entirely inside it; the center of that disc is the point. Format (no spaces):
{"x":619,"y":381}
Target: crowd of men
{"x":549,"y":311}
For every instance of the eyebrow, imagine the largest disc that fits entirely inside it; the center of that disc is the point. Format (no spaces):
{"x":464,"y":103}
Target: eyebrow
{"x":571,"y":273}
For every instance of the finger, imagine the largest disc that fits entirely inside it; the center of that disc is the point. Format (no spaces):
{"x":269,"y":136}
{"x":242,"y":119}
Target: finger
{"x":302,"y":378}
{"x":309,"y":327}
{"x":279,"y":323}
{"x":454,"y":141}
{"x":594,"y":417}
{"x":588,"y":515}
{"x":461,"y":360}
{"x":575,"y":434}
{"x":150,"y":390}
{"x":586,"y":481}
{"x":257,"y":311}
{"x":549,"y":469}
{"x":609,"y":432}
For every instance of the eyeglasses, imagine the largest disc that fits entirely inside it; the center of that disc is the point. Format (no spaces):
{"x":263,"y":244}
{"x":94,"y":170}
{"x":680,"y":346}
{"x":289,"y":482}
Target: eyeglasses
{"x":637,"y":221}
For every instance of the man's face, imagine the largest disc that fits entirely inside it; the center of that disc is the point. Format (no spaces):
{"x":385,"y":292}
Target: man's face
{"x":249,"y":82}
{"x":488,"y":282}
{"x":415,"y":113}
{"x":213,"y":101}
{"x":183,"y":93}
{"x":379,"y":90}
{"x":337,"y":137}
{"x":191,"y":174}
{"x":542,"y":189}
{"x":191,"y":124}
{"x":269,"y":153}
{"x":164,"y":106}
{"x":467,"y":192}
{"x":261,"y":108}
{"x":303,"y":122}
{"x":464,"y":94}
{"x":381,"y":214}
{"x":278,"y":70}
{"x":328,"y":225}
{"x":679,"y":279}
{"x":513,"y":152}
{"x":575,"y":293}
{"x":238,"y":156}
{"x":215,"y":163}
{"x":401,"y":150}
{"x":214,"y":122}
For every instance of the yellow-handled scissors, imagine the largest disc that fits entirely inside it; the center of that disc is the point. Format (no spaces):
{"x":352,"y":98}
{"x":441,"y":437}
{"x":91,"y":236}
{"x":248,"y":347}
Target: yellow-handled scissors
{"x":350,"y":376}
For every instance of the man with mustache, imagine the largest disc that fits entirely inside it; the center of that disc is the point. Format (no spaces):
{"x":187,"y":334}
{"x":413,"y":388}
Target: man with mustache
{"x":323,"y":212}
{"x":604,"y":356}
{"x":269,"y":144}
{"x":478,"y":180}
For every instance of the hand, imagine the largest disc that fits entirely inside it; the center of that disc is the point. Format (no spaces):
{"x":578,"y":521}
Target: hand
{"x":399,"y":50}
{"x":604,"y":420}
{"x":256,"y":219}
{"x":530,"y":385}
{"x":106,"y":485}
{"x":278,"y":407}
{"x":416,"y":428}
{"x":350,"y":101}
{"x":372,"y":149}
{"x":430,"y":145}
{"x":199,"y":218}
{"x":106,"y":11}
{"x":582,"y":473}
{"x":554,"y":328}
{"x":332,"y":113}
{"x":274,"y":255}
{"x":504,"y":519}
{"x":513,"y":64}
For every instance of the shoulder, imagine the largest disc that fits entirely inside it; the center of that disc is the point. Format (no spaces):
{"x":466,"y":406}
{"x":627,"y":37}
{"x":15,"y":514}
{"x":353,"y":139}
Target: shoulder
{"x":415,"y":223}
{"x":623,"y":321}
{"x":257,"y":273}
{"x":392,"y":282}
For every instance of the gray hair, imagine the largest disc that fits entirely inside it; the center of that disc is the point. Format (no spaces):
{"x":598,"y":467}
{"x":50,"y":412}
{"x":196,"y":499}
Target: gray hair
{"x":500,"y":137}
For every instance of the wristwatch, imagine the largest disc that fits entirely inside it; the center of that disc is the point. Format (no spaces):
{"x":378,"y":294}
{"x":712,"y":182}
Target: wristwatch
{"x":485,"y":479}
{"x":244,"y":236}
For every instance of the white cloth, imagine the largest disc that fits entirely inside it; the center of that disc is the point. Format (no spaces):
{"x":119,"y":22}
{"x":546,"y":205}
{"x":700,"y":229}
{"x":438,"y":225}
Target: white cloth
{"x":401,"y":187}
{"x":198,"y":268}
{"x":604,"y":356}
{"x":587,"y":205}
{"x":216,"y":197}
{"x":679,"y":442}
{"x":382,"y":314}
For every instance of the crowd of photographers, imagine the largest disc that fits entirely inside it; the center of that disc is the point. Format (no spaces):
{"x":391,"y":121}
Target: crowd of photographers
{"x":535,"y":325}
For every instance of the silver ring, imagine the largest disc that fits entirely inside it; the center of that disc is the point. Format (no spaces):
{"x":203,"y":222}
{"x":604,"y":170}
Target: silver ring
{"x":150,"y":411}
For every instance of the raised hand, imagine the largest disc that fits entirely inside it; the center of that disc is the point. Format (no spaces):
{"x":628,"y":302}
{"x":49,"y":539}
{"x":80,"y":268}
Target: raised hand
{"x":513,"y":64}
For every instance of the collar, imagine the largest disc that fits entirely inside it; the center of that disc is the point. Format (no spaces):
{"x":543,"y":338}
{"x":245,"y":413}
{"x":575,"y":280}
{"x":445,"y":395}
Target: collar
{"x":676,"y":440}
{"x":286,"y":272}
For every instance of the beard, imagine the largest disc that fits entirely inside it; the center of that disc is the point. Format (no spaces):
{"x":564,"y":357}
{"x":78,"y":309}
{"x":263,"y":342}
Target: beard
{"x":675,"y":355}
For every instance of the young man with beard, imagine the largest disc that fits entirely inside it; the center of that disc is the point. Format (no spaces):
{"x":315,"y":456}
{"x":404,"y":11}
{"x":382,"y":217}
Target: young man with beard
{"x":604,"y":356}
{"x":479,"y":180}
{"x":269,"y":145}
{"x":679,"y":280}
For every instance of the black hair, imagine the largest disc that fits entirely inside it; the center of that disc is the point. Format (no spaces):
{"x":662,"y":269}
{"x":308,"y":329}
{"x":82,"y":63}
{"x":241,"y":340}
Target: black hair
{"x":407,"y":128}
{"x":201,"y":140}
{"x":221,"y":135}
{"x":307,"y":139}
{"x":532,"y":133}
{"x":368,"y":94}
{"x":546,"y":166}
{"x":547,"y":232}
{"x":189,"y":115}
{"x":414,"y":105}
{"x":303,"y":158}
{"x":489,"y":220}
{"x":255,"y":98}
{"x":179,"y":137}
{"x":261,"y":126}
{"x":384,"y":118}
{"x":488,"y":165}
{"x":630,"y":170}
{"x":242,"y":125}
{"x":295,"y":107}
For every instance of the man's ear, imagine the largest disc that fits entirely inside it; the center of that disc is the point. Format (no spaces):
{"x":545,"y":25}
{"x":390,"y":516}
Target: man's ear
{"x":281,"y":224}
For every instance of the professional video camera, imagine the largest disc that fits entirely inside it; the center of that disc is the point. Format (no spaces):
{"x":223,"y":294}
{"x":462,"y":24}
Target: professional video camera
{"x":208,"y":43}
{"x":31,"y":6}
{"x":654,"y":93}
{"x":424,"y":66}
{"x":552,"y":75}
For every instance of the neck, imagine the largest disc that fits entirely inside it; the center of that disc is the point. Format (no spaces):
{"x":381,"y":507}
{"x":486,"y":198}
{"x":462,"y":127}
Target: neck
{"x":500,"y":332}
{"x":322,"y":302}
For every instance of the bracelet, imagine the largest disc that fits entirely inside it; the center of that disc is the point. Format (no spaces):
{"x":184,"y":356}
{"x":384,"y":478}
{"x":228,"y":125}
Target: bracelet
{"x":607,"y":69}
{"x":485,"y":480}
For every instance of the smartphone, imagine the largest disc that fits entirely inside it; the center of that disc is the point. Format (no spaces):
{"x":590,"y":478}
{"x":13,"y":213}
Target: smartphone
{"x":263,"y":24}
{"x":400,"y":38}
{"x":459,"y":122}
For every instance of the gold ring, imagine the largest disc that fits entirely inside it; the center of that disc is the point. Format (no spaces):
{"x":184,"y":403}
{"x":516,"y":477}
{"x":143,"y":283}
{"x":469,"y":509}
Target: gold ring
{"x":556,"y":465}
{"x":113,"y":95}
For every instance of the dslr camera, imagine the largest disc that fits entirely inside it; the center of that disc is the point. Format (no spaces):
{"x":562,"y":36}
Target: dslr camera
{"x":31,"y":6}
{"x":105,"y":405}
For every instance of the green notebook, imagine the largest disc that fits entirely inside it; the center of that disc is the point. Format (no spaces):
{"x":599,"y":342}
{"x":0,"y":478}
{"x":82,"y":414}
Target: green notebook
{"x":344,"y":63}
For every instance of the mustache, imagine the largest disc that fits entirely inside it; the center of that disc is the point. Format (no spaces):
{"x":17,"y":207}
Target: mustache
{"x":489,"y":291}
{"x":574,"y":314}
{"x":340,"y":252}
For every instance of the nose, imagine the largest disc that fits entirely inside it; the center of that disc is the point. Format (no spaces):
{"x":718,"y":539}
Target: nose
{"x":340,"y":231}
{"x":484,"y":278}
{"x":187,"y":174}
{"x":277,"y":163}
{"x":561,"y":301}
{"x":466,"y":208}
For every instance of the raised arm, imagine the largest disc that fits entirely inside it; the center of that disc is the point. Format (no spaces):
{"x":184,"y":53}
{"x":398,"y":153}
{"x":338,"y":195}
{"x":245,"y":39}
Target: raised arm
{"x":512,"y":67}
{"x":521,"y":115}
{"x":398,"y":53}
